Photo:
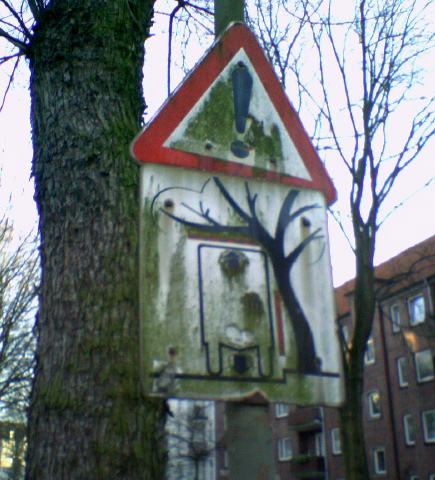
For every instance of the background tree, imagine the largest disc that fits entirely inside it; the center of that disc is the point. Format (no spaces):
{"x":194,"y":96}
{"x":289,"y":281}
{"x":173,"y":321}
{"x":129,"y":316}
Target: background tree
{"x":360,"y":76}
{"x":88,"y":415}
{"x":190,"y":438}
{"x":19,"y":276}
{"x":365,"y":85}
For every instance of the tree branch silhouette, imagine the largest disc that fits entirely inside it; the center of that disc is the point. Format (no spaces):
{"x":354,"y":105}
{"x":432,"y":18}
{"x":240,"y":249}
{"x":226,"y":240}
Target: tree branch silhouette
{"x":282,"y":263}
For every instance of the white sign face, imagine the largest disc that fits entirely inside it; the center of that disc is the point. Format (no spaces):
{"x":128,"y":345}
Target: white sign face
{"x":236,"y":292}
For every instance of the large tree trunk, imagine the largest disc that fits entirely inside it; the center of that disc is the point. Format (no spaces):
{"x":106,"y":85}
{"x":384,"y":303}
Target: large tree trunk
{"x":351,"y":413}
{"x":352,"y":431}
{"x":89,"y":418}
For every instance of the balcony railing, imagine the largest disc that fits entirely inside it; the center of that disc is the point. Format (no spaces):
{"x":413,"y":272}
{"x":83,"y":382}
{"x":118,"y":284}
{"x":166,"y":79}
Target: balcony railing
{"x":198,"y":448}
{"x":305,"y":419}
{"x":308,"y":466}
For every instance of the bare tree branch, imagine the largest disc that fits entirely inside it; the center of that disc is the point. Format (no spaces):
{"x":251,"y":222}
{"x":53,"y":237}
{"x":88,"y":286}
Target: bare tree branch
{"x":36,"y":7}
{"x":181,"y":4}
{"x":15,"y":41}
{"x":24,"y":30}
{"x":10,"y":81}
{"x":18,"y":289}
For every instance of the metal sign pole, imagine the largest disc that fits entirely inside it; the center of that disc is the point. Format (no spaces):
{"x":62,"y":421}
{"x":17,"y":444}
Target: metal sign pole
{"x":226,"y":12}
{"x":250,"y":441}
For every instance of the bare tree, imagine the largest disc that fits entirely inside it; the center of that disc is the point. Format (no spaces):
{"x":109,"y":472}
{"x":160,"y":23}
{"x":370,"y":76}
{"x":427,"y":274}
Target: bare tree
{"x":19,"y":277}
{"x":365,"y":83}
{"x":190,"y":438}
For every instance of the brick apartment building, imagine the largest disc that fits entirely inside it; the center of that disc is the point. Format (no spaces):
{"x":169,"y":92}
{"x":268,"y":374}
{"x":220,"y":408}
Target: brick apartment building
{"x":13,"y":444}
{"x":399,"y":386}
{"x":399,"y":391}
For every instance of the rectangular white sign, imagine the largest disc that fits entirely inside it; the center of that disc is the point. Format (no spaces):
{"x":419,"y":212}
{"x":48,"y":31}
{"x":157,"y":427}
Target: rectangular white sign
{"x":236,"y":291}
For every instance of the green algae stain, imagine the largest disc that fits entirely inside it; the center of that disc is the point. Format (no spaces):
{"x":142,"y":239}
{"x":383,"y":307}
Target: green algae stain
{"x":267,"y":147}
{"x":214,"y":125}
{"x":215,"y":122}
{"x":175,"y":321}
{"x":150,"y":283}
{"x":253,"y":311}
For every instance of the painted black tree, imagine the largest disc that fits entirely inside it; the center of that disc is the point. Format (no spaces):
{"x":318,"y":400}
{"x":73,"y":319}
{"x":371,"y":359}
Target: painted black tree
{"x":281,"y":261}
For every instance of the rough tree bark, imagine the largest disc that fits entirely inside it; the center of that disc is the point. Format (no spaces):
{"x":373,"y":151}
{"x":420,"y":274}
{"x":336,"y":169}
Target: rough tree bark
{"x":89,"y":417}
{"x":351,"y":417}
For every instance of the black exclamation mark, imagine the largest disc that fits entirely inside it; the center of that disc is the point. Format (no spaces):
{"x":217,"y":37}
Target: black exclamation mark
{"x":242,"y":89}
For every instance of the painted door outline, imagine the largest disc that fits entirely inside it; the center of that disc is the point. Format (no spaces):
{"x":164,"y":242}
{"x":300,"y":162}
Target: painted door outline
{"x":216,"y":351}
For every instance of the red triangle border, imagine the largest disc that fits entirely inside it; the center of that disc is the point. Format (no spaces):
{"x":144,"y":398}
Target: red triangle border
{"x":148,"y":145}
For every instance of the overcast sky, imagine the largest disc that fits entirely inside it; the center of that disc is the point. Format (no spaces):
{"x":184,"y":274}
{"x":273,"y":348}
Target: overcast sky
{"x":409,"y":225}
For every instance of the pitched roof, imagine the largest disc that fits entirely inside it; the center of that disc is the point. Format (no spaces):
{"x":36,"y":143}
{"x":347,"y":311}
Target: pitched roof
{"x":405,"y":269}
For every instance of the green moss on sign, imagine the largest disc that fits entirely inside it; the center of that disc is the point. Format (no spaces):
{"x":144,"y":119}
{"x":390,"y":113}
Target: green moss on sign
{"x":212,"y":130}
{"x":215,"y":121}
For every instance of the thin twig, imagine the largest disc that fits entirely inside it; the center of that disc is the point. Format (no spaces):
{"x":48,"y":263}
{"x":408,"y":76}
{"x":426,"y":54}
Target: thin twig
{"x":10,"y":81}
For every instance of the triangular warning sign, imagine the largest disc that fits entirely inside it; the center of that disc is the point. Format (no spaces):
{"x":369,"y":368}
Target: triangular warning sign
{"x":231,"y":115}
{"x":218,"y":126}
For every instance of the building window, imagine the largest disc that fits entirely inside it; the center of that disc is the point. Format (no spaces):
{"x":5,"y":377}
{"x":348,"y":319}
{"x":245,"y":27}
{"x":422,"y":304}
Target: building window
{"x":226,"y":461}
{"x":318,"y":444}
{"x":336,"y":441}
{"x":416,"y":310}
{"x":282,"y":409}
{"x":408,"y":426}
{"x":345,"y":332}
{"x":402,"y":372}
{"x":369,"y":356}
{"x":379,"y":459}
{"x":7,"y":452}
{"x":395,"y":317}
{"x":374,"y":404}
{"x":424,"y":365}
{"x":284,"y":449}
{"x":429,"y":426}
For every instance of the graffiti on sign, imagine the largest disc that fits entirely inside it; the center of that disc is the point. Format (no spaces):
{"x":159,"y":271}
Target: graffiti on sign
{"x":235,"y":282}
{"x":239,"y":318}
